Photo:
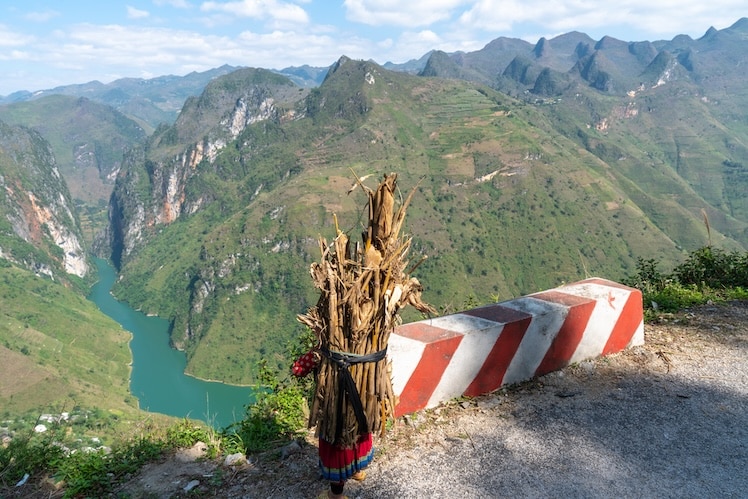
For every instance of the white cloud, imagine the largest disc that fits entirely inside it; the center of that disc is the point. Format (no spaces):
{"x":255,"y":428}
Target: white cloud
{"x":260,"y":9}
{"x":401,"y":13}
{"x":97,"y":51}
{"x":15,"y":55}
{"x":412,"y":45}
{"x":133,"y":13}
{"x":427,"y":36}
{"x":9,"y":38}
{"x":42,"y":16}
{"x":500,"y":15}
{"x":280,"y":33}
{"x":289,"y":48}
{"x":179,"y":4}
{"x":136,"y":46}
{"x":665,"y":18}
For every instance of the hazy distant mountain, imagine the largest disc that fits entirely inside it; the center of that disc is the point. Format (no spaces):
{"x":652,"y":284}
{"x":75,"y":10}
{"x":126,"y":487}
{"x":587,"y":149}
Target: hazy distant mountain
{"x":609,"y":65}
{"x":305,"y":76}
{"x":156,"y":100}
{"x":88,"y":140}
{"x":413,"y":66}
{"x":148,"y":101}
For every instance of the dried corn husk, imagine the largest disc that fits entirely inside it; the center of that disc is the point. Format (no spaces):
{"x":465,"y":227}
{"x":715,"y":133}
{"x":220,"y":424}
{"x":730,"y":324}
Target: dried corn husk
{"x":362,"y":289}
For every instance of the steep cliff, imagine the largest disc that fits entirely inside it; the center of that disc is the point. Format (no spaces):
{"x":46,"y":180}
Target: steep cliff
{"x":151,"y":189}
{"x":38,"y":227}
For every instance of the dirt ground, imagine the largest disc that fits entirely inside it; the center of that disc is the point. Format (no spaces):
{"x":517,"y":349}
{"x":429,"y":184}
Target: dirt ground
{"x":667,"y":419}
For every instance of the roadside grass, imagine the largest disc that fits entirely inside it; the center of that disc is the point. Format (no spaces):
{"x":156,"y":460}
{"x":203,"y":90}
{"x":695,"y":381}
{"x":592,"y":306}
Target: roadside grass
{"x":78,"y":465}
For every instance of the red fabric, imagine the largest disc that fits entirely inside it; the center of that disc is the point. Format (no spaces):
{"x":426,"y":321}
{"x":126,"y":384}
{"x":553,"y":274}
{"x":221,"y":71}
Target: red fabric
{"x":337,"y":464}
{"x":305,"y":364}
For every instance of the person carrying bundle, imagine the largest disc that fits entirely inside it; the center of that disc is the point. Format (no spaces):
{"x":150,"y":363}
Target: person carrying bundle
{"x":362,"y":287}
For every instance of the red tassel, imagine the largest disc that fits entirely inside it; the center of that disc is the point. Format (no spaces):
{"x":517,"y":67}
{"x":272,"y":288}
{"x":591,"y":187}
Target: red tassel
{"x":304,"y":364}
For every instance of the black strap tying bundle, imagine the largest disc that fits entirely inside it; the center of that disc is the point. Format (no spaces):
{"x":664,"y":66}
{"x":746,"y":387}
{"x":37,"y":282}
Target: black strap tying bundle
{"x":348,"y":386}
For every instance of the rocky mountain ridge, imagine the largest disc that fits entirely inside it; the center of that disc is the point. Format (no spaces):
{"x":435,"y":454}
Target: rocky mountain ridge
{"x":608,"y":65}
{"x":206,"y":125}
{"x":41,"y":230}
{"x":88,"y":140}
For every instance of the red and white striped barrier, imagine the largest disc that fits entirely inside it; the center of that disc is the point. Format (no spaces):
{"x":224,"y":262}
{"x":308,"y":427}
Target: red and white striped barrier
{"x":478,"y":351}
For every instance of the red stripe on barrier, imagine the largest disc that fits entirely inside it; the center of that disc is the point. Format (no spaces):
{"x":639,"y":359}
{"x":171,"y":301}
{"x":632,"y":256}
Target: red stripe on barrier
{"x":492,"y":372}
{"x":570,"y":334}
{"x":627,"y":324}
{"x":440,"y":347}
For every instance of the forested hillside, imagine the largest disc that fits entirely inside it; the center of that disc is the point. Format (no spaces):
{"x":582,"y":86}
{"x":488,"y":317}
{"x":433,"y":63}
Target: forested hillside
{"x":514,"y":195}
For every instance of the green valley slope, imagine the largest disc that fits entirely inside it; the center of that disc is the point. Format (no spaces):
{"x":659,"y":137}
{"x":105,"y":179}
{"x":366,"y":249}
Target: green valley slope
{"x":505,"y":205}
{"x":57,"y":350}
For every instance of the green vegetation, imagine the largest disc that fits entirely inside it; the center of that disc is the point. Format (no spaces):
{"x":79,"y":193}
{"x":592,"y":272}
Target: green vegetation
{"x":57,"y":349}
{"x":96,"y":472}
{"x":83,"y":466}
{"x":513,"y":195}
{"x":278,"y":415}
{"x":708,"y":275}
{"x":505,"y":206}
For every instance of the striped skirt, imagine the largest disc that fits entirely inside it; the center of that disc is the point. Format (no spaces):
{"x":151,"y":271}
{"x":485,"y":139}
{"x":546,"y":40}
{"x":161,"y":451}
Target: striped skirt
{"x":338,"y":465}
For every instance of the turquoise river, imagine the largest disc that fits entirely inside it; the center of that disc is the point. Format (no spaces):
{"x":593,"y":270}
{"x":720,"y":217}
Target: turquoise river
{"x":157,"y":378}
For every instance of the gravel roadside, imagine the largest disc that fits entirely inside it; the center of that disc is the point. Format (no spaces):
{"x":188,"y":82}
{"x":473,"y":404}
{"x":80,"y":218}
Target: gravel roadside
{"x":666,"y":420}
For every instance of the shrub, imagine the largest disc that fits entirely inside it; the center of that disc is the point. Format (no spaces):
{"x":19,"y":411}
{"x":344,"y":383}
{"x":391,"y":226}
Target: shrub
{"x":708,"y":274}
{"x":95,"y":473}
{"x":186,"y":434}
{"x":713,"y":268}
{"x":278,"y":414}
{"x":30,"y":453}
{"x":647,"y":279}
{"x":674,"y":297}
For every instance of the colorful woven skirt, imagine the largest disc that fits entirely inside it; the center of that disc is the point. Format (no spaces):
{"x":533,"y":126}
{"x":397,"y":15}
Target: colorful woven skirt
{"x":338,"y":464}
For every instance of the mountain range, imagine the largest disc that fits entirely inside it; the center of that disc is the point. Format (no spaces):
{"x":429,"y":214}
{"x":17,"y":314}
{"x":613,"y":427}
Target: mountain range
{"x":532,"y":164}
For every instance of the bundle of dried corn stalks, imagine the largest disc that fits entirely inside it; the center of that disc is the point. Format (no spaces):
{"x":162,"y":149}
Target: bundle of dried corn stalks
{"x":362,"y":288}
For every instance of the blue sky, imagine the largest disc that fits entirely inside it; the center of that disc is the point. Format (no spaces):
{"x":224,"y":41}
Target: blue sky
{"x":46,"y":43}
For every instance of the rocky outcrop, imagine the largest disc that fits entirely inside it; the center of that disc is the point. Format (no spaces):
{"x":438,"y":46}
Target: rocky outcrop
{"x":36,"y":203}
{"x":63,"y":236}
{"x":177,"y":153}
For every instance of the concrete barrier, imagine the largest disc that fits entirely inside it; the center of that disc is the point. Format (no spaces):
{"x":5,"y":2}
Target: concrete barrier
{"x":478,"y":351}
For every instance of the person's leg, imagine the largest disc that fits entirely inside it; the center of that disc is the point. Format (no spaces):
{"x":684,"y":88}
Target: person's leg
{"x":336,"y":489}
